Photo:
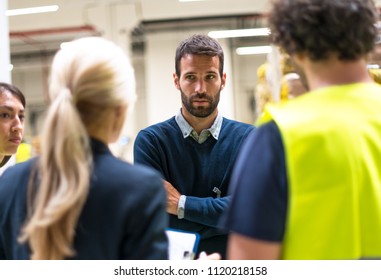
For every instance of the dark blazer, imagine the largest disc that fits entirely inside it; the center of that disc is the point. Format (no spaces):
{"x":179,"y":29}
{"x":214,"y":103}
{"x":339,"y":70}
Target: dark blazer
{"x":124,"y":216}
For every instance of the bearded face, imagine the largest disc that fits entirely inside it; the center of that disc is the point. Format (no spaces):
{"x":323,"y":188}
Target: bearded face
{"x":200,"y":84}
{"x":201,"y":105}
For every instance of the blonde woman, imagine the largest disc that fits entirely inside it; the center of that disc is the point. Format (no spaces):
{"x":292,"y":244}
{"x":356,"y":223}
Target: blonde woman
{"x":84,"y":203}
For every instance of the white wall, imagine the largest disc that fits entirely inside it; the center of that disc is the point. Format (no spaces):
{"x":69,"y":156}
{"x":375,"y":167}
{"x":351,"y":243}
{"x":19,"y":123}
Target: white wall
{"x":161,"y":97}
{"x":5,"y":75}
{"x":245,"y":69}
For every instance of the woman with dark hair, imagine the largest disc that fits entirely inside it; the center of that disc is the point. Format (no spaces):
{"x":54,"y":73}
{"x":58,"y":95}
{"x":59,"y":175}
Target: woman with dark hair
{"x":12,"y":108}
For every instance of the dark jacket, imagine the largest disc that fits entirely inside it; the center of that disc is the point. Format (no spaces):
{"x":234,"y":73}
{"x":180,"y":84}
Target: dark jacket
{"x":124,"y":216}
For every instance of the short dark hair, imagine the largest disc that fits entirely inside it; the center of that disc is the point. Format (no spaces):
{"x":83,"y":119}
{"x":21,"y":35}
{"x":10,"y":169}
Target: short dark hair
{"x":319,"y":28}
{"x":5,"y":87}
{"x":199,"y":45}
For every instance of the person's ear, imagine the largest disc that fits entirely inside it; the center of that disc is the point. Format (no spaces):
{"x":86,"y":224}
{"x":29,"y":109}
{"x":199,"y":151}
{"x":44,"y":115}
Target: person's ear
{"x":120,"y":113}
{"x":299,"y":59}
{"x":176,"y":81}
{"x":223,"y":80}
{"x":119,"y":116}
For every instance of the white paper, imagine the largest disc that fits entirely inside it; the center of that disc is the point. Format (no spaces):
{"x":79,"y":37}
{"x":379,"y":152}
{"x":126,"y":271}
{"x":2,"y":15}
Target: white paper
{"x":181,"y":244}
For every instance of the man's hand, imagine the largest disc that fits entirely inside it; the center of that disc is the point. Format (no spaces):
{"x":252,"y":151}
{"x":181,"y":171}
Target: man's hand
{"x":173,"y":197}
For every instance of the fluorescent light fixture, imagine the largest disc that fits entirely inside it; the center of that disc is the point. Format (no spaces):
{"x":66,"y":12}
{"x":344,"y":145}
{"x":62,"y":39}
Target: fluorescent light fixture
{"x":191,"y":0}
{"x":64,"y":45}
{"x":10,"y":67}
{"x":240,"y":33}
{"x":253,"y":50}
{"x":373,"y":66}
{"x":32,"y":10}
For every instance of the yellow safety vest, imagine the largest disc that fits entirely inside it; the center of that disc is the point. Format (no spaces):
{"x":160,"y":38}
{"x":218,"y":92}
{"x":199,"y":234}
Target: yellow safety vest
{"x":332,"y":143}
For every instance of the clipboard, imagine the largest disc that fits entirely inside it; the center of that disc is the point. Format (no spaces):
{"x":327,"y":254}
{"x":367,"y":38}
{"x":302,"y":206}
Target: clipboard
{"x":182,"y":244}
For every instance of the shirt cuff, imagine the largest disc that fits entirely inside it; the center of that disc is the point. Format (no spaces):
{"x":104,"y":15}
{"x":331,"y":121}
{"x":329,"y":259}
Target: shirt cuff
{"x":181,"y":207}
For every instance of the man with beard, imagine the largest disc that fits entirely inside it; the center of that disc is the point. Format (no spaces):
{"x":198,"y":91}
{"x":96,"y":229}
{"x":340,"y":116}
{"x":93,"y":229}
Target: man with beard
{"x":195,"y":150}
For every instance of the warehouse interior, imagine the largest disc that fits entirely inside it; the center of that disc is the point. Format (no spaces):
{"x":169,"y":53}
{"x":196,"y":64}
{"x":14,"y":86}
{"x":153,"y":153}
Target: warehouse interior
{"x":149,"y":31}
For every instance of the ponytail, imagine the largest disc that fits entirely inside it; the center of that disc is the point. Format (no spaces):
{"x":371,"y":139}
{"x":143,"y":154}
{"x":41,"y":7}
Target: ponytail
{"x":63,"y":188}
{"x":89,"y":77}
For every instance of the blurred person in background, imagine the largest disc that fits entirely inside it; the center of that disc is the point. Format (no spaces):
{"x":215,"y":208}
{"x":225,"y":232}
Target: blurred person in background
{"x":292,"y":85}
{"x":24,"y":152}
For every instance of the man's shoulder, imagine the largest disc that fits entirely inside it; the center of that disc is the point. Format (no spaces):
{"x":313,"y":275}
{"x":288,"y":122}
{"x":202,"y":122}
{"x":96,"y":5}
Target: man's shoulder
{"x":237,"y":125}
{"x":166,"y":125}
{"x":161,"y":131}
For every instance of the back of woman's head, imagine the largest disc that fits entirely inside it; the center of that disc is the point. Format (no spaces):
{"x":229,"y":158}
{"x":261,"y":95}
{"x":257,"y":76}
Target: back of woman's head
{"x":96,"y":73}
{"x":89,"y":76}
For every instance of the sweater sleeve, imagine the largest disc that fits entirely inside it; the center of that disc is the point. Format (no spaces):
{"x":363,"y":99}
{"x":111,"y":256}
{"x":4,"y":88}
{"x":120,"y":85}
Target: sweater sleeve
{"x":205,"y":210}
{"x":146,"y":151}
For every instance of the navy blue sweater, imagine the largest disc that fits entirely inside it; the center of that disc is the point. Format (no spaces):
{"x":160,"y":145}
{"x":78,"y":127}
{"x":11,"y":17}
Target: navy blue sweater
{"x":194,"y":169}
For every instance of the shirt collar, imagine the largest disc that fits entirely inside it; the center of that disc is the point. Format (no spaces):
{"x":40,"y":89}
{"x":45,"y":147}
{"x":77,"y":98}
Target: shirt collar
{"x":186,"y":128}
{"x":4,"y":160}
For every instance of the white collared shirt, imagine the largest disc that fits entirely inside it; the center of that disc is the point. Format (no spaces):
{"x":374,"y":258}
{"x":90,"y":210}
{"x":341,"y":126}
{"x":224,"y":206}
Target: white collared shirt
{"x":10,"y":162}
{"x":187,"y":129}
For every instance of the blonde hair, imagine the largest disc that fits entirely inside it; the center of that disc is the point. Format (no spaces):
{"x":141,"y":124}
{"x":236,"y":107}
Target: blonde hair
{"x":88,"y":76}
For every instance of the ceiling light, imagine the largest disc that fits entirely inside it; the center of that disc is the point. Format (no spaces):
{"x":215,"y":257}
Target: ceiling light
{"x":253,"y":50}
{"x":32,"y":10}
{"x":240,"y":33}
{"x":64,"y":45}
{"x":373,"y":66}
{"x":191,"y":0}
